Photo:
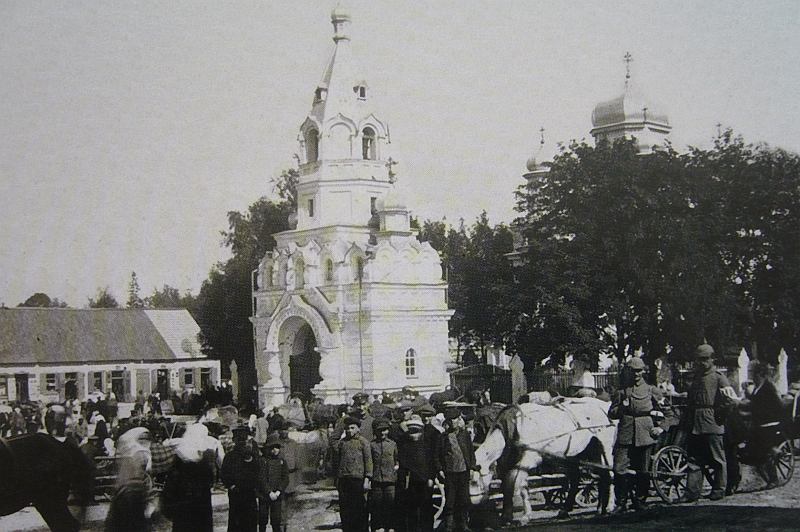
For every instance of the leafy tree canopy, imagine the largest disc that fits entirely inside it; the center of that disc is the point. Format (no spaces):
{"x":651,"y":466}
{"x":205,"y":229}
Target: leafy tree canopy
{"x":103,"y":299}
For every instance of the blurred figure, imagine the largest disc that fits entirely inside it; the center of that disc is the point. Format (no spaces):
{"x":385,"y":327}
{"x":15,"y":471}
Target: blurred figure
{"x":186,"y":499}
{"x":290,"y":453}
{"x":131,"y":509}
{"x":766,"y":409}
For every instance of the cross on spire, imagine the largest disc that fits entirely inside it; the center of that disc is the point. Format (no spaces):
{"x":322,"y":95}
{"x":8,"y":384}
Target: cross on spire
{"x":628,"y":59}
{"x":541,"y":132}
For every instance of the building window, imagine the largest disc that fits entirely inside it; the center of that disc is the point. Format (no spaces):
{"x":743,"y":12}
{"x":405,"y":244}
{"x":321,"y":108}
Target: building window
{"x":311,"y":208}
{"x":368,"y":144}
{"x":255,"y":306}
{"x":312,"y":145}
{"x":50,"y":379}
{"x":97,"y":381}
{"x":373,"y":205}
{"x":188,"y":376}
{"x":319,"y":95}
{"x":4,"y":388}
{"x":205,"y":378}
{"x":118,"y":384}
{"x":361,"y":92}
{"x":411,"y":363}
{"x":329,"y":271}
{"x":255,"y":280}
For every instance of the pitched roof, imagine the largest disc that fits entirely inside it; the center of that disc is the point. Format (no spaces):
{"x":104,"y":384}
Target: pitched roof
{"x":58,"y":336}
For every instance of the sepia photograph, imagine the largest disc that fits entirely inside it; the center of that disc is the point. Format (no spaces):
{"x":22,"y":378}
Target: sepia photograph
{"x":338,"y":265}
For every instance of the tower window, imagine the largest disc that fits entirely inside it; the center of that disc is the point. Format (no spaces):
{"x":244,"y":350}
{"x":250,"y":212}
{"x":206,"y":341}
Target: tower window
{"x":268,"y":276}
{"x":255,"y":280}
{"x":358,"y":267}
{"x":311,"y":208}
{"x":411,"y":363}
{"x":312,"y":145}
{"x":361,"y":92}
{"x":373,"y":205}
{"x":329,"y":271}
{"x":368,"y":144}
{"x":319,"y":95}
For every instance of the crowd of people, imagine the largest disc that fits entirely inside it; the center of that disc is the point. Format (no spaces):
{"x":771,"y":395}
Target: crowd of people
{"x":385,"y":452}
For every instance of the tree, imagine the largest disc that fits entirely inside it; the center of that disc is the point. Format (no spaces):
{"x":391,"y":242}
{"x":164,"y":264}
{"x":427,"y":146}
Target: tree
{"x":40,"y":299}
{"x":103,"y":299}
{"x":134,"y":301}
{"x":480,"y":279}
{"x":224,"y":304}
{"x":169,"y":297}
{"x":660,"y":252}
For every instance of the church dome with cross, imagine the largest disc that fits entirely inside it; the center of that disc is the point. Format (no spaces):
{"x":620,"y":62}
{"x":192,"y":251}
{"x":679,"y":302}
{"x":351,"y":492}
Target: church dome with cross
{"x":630,"y":115}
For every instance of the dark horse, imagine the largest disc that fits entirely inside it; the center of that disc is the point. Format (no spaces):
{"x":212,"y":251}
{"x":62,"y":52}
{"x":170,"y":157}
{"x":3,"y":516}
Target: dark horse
{"x":38,"y":469}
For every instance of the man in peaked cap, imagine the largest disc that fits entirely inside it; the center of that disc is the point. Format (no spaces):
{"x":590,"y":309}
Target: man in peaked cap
{"x":710,"y":396}
{"x":274,"y":481}
{"x":638,"y":412}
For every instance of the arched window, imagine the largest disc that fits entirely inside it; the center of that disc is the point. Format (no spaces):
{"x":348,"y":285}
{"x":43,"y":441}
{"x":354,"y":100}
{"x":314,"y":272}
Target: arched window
{"x":329,"y":271}
{"x":368,"y":144}
{"x":312,"y":145}
{"x":299,"y":273}
{"x":268,"y":276}
{"x":411,"y":363}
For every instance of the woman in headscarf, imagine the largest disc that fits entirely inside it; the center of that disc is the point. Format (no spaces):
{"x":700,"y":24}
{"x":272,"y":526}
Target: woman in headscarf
{"x":131,"y":508}
{"x":187,"y":494}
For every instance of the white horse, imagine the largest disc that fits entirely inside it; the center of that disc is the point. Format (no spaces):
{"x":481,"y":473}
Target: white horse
{"x":524,"y":434}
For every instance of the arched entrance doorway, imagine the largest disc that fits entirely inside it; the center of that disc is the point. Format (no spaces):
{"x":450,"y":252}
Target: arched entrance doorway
{"x":300,"y":356}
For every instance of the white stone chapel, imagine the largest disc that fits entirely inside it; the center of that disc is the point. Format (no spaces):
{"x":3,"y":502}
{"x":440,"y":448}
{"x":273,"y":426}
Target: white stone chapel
{"x":348,"y":300}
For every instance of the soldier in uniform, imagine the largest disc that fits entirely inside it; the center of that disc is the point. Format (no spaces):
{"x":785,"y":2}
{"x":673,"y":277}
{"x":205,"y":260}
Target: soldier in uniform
{"x":709,"y":397}
{"x":636,"y":407}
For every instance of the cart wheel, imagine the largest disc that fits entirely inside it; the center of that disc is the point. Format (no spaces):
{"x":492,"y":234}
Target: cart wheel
{"x":554,"y":498}
{"x":670,"y":468}
{"x":588,"y":494}
{"x":438,"y":503}
{"x":783,"y":459}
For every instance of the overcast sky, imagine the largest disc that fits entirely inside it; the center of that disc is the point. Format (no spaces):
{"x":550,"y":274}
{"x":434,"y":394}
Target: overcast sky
{"x":129,"y":129}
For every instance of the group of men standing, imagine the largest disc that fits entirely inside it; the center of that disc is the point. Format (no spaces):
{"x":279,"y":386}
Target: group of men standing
{"x":709,"y":399}
{"x":388,"y":483}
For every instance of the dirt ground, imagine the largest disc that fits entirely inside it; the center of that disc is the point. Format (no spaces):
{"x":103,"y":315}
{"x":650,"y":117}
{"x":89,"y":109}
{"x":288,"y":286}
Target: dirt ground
{"x":751,"y":509}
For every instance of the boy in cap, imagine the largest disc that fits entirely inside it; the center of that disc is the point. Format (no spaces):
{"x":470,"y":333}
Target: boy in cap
{"x":415,"y":477}
{"x":384,"y":477}
{"x":636,"y":408}
{"x":456,"y":460}
{"x":353,"y":469}
{"x":274,"y":481}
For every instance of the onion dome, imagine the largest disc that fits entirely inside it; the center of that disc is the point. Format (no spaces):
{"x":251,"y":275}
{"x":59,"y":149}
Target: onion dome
{"x":631,"y":116}
{"x":629,"y":107}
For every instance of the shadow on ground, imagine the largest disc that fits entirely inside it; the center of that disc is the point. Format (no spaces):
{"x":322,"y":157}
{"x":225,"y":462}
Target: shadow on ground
{"x":728,"y":518}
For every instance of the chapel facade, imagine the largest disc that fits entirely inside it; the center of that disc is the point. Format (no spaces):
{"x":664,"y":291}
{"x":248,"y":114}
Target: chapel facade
{"x":349,"y":300}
